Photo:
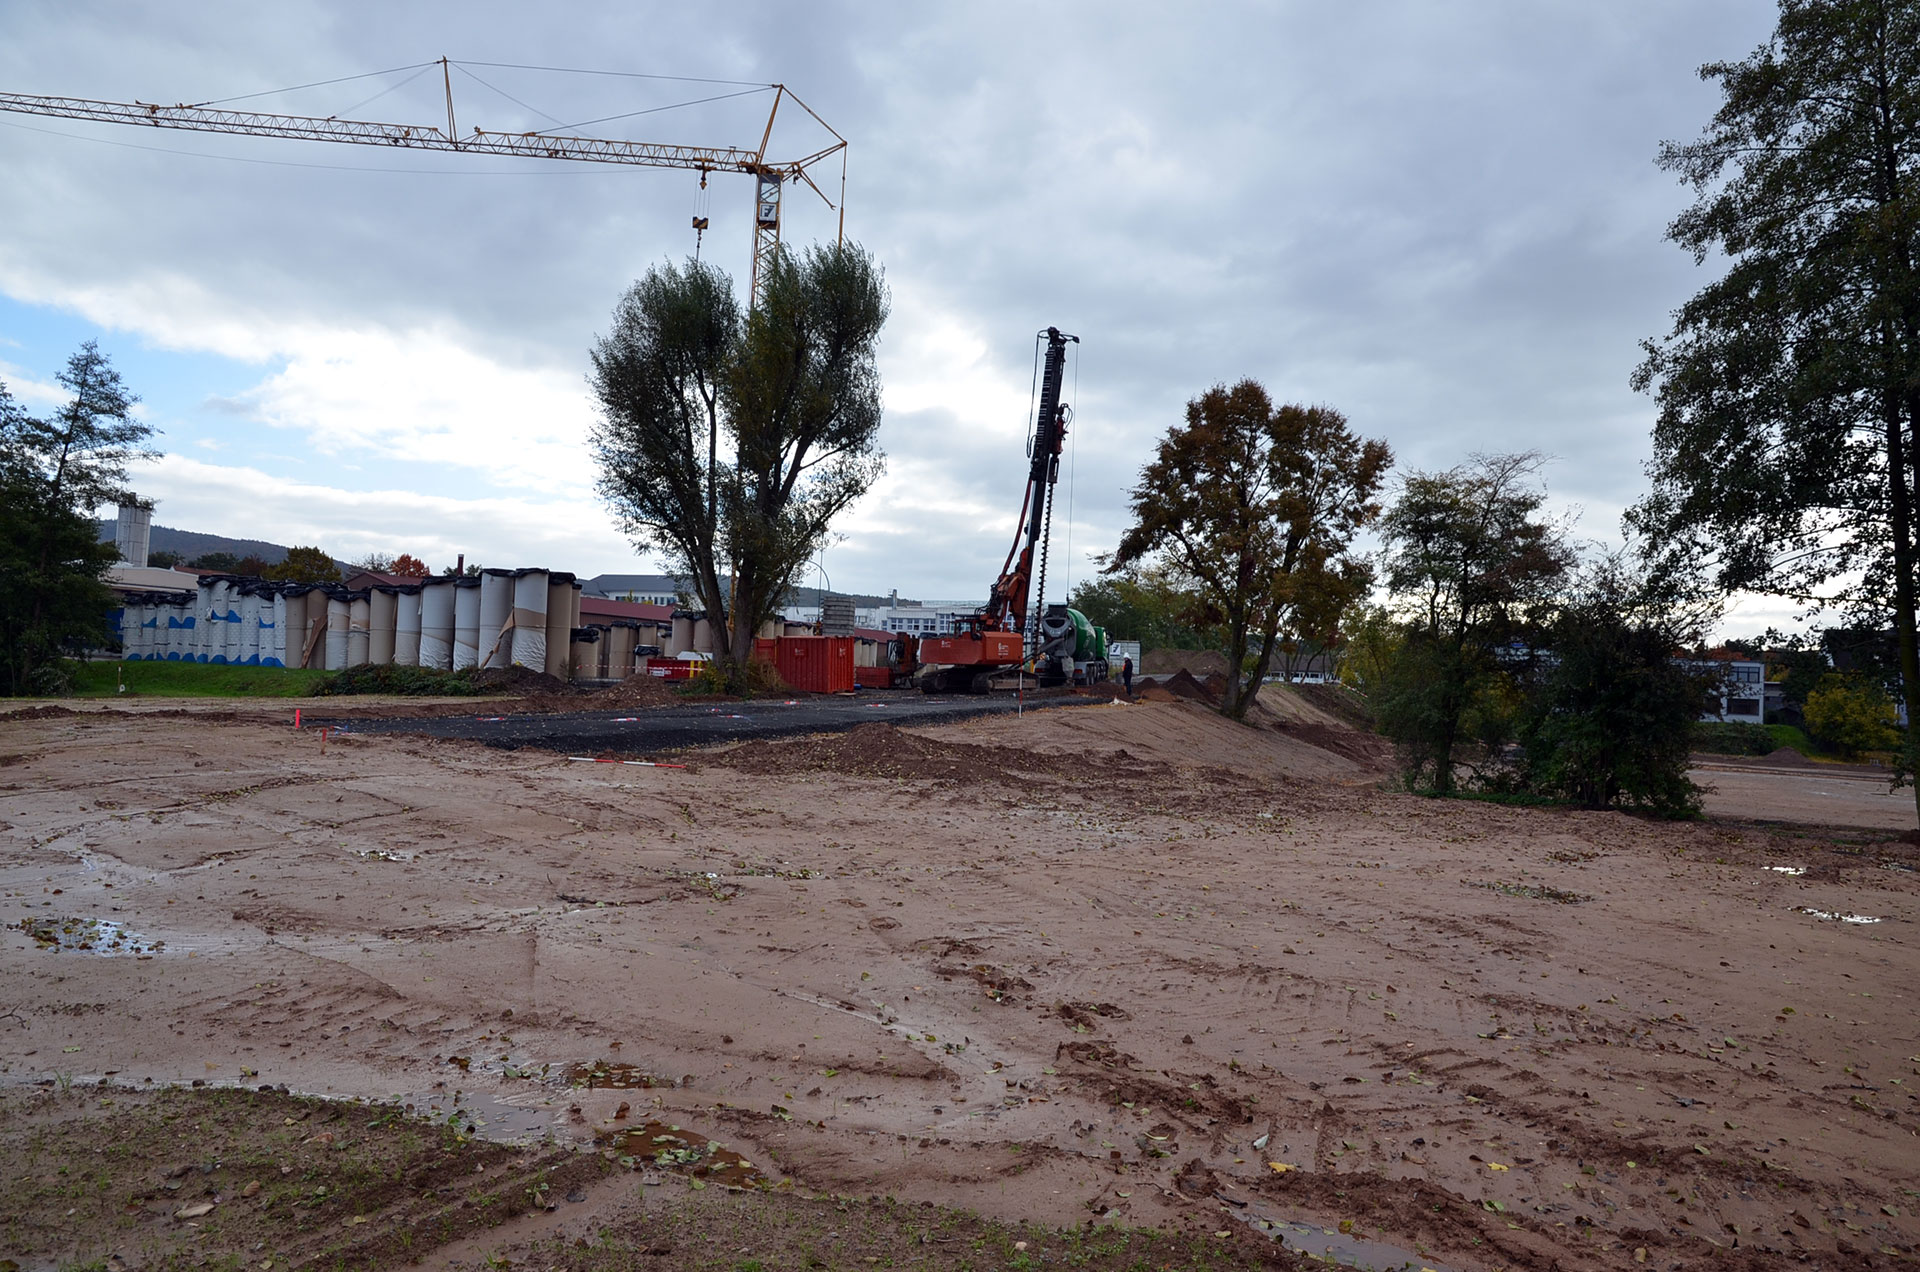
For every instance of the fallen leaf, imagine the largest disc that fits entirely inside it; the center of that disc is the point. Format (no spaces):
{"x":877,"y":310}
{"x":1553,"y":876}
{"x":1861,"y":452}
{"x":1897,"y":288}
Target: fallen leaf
{"x":1495,"y":1166}
{"x":251,"y":1189}
{"x":1281,"y":1168}
{"x":1262,"y":1141}
{"x":194,"y":1211}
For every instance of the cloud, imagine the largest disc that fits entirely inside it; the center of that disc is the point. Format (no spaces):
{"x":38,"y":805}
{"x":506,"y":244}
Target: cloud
{"x":350,"y":522}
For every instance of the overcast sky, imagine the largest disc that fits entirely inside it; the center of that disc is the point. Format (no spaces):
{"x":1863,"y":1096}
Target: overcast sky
{"x":1443,"y":220}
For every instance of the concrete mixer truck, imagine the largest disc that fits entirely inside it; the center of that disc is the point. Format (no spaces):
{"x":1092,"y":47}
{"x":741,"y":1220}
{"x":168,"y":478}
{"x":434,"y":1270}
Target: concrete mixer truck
{"x":1072,"y":649}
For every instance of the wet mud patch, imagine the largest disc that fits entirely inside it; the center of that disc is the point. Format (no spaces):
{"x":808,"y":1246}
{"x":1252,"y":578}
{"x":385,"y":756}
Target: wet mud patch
{"x":664,"y":1146}
{"x":1532,"y":892}
{"x":613,"y":1075}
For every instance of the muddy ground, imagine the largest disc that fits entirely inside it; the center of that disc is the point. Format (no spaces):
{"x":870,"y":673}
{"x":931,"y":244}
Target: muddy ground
{"x":1126,"y":964}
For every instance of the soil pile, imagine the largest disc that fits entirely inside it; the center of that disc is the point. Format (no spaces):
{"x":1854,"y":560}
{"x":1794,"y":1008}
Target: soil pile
{"x":1201,"y":662}
{"x":882,"y":750}
{"x":1183,"y":685}
{"x":521,"y":679}
{"x":1338,"y":701}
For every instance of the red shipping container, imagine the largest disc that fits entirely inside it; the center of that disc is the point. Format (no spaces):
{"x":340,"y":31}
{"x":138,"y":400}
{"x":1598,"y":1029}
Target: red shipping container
{"x":816,"y":664}
{"x":764,"y":649}
{"x":873,"y":677}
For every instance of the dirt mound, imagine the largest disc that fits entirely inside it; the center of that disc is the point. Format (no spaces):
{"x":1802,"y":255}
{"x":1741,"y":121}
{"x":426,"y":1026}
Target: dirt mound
{"x":1183,"y":685}
{"x":45,"y":712}
{"x":1339,"y":701}
{"x":1788,"y":757}
{"x":524,"y":679}
{"x":1201,"y":662}
{"x":882,"y":750}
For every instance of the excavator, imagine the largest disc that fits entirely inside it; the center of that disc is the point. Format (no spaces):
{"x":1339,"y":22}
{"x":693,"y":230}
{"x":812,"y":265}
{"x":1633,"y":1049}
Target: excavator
{"x":994,"y":639}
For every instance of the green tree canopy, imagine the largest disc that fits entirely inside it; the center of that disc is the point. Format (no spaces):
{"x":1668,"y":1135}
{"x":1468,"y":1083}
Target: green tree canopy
{"x":1471,"y":565}
{"x":304,"y":565}
{"x":1258,"y":505}
{"x":729,"y":443}
{"x":54,"y":473}
{"x":1787,"y":447}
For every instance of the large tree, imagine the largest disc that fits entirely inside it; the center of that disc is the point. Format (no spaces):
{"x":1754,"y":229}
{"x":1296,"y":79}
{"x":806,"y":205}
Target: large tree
{"x":1471,"y":564}
{"x":728,"y":443}
{"x":1787,"y":448}
{"x":1258,"y":505}
{"x":54,"y":473}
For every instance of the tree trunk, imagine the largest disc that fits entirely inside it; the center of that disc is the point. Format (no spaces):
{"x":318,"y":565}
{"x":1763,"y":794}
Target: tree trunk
{"x":1232,"y":704}
{"x":1903,"y":466}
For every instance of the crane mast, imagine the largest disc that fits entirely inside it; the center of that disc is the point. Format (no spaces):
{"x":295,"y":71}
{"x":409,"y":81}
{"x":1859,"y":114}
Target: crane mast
{"x":770,"y":176}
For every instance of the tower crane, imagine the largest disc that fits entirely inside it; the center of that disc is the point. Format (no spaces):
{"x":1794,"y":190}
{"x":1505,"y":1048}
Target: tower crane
{"x":771,"y":176}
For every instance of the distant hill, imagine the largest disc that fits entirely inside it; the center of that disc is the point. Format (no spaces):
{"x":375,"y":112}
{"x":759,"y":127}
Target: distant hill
{"x":191,"y":543}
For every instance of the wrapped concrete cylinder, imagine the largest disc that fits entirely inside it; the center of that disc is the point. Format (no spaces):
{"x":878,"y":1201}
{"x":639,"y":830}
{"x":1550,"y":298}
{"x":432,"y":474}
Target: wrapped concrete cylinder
{"x":702,"y":636}
{"x":357,"y":618}
{"x":273,"y":640}
{"x":619,"y":644}
{"x":559,"y":624}
{"x":216,"y":637}
{"x":248,"y":653}
{"x":339,"y":610}
{"x":681,"y":641}
{"x":530,"y":619}
{"x":293,"y":624}
{"x":175,"y":623}
{"x":466,"y":623}
{"x":585,"y":645}
{"x":436,"y":624}
{"x":496,"y":606}
{"x":201,"y":640}
{"x":382,"y":612}
{"x":406,"y":627}
{"x":574,"y":621}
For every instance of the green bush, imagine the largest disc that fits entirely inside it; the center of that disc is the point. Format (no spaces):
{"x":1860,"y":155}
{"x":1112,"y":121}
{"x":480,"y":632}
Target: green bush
{"x":1852,"y":715}
{"x":1730,"y":737}
{"x":409,"y":682}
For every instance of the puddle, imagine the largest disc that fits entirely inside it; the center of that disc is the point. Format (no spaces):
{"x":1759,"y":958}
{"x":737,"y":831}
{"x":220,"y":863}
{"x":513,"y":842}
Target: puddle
{"x":1833,"y":917}
{"x":383,"y":854}
{"x":487,"y":1115}
{"x":675,"y":1148}
{"x":1340,"y":1249}
{"x":93,"y":936}
{"x":608,"y":1075}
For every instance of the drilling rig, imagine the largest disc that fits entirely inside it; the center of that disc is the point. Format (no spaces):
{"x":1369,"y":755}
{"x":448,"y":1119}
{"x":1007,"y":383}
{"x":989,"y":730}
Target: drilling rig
{"x":994,"y":639}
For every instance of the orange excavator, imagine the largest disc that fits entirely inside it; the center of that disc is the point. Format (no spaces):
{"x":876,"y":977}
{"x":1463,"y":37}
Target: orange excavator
{"x":995,"y":639}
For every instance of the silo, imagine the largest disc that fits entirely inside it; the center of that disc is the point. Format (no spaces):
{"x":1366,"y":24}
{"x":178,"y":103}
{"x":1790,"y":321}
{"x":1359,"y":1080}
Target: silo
{"x":131,"y":532}
{"x":682,"y":639}
{"x":248,"y":653}
{"x":436,"y":624}
{"x":273,"y":640}
{"x":357,"y":615}
{"x":406,"y":626}
{"x":559,"y":627}
{"x":619,"y":651}
{"x":339,"y":611}
{"x":496,"y":603}
{"x":466,"y":623}
{"x":382,"y":612}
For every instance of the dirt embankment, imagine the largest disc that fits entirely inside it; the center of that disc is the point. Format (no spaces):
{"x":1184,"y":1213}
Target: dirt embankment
{"x":1130,"y":963}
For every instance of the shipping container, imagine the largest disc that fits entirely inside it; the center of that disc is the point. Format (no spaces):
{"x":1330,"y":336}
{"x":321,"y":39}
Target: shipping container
{"x":816,"y":664}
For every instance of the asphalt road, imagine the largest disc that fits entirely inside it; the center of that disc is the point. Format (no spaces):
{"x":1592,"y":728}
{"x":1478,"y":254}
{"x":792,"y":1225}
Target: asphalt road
{"x":649,"y":731}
